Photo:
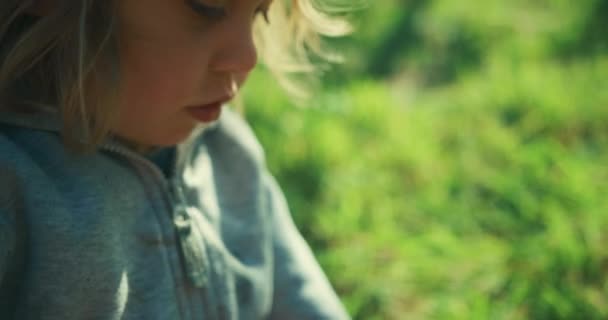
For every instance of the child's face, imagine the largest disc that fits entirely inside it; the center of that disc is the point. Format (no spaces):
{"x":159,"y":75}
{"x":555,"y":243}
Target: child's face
{"x":174,"y":56}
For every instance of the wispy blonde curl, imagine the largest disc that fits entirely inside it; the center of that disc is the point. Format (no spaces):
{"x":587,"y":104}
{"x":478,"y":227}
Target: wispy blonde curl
{"x":292,"y":44}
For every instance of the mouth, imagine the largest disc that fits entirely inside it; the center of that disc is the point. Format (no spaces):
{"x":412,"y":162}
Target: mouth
{"x":208,"y":112}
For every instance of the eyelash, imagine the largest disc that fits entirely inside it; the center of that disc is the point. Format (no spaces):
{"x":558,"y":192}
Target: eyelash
{"x":217,"y":13}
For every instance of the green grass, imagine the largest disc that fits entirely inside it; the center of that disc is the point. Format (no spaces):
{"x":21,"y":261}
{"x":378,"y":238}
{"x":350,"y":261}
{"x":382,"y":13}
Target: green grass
{"x":480,"y":196}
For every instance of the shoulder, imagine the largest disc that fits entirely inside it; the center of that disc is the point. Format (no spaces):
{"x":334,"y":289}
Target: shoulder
{"x":35,"y":164}
{"x":23,"y":146}
{"x":20,"y":166}
{"x":14,"y":154}
{"x":29,"y":155}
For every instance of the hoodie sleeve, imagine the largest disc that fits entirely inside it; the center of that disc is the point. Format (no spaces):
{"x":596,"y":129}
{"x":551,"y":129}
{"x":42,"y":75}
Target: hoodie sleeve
{"x":301,"y":289}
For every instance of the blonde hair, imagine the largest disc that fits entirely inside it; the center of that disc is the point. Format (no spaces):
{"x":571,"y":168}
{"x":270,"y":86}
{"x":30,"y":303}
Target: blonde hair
{"x":295,"y":32}
{"x":69,"y":58}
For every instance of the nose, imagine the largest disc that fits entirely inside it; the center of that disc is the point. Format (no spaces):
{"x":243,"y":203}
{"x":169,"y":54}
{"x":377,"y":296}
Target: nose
{"x":236,"y":51}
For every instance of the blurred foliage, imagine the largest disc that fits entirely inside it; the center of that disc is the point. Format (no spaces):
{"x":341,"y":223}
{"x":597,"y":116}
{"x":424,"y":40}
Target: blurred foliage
{"x":456,"y":167}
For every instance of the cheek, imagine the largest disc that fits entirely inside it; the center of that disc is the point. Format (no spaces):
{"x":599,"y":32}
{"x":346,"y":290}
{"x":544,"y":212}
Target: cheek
{"x":161,"y":77}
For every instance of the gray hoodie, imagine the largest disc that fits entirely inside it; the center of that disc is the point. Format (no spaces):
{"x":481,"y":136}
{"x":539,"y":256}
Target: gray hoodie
{"x":198,"y":231}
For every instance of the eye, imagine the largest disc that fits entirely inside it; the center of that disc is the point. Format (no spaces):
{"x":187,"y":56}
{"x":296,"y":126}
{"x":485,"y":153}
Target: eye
{"x":207,"y":11}
{"x":219,"y":12}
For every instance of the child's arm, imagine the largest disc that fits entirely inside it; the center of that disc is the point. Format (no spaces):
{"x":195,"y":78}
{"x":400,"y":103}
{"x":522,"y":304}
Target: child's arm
{"x":301,"y":289}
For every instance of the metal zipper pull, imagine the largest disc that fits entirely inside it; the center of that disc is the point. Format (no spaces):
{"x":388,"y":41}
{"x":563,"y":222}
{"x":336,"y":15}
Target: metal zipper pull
{"x":190,"y":240}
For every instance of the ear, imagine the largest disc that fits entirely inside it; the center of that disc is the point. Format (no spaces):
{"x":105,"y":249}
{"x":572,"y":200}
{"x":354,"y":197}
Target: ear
{"x":40,"y":8}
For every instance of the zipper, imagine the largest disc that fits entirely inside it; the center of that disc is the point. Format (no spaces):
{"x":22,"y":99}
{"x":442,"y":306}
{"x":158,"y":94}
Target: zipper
{"x":190,"y":241}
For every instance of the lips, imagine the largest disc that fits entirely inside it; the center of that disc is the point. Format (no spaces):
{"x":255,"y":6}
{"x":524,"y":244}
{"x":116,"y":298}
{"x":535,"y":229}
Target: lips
{"x":207,"y":112}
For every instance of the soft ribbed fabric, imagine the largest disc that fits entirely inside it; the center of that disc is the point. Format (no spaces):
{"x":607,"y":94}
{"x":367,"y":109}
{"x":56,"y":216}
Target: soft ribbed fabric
{"x":200,"y":231}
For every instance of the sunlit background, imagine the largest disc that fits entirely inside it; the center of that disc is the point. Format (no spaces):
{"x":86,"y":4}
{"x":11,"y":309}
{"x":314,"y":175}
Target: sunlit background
{"x":456,"y":165}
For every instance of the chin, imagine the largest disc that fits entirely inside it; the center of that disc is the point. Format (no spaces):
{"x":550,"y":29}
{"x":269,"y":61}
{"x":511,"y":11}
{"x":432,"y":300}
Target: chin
{"x":169,"y":141}
{"x":179,"y":137}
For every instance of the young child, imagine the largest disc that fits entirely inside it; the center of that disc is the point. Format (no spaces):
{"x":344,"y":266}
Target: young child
{"x":127,"y":190}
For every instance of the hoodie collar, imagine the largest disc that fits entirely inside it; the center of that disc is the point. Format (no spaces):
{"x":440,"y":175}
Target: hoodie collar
{"x":44,"y":118}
